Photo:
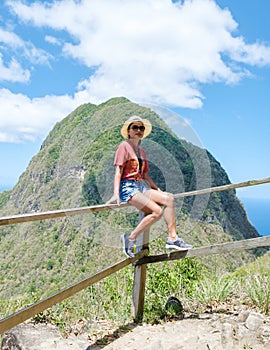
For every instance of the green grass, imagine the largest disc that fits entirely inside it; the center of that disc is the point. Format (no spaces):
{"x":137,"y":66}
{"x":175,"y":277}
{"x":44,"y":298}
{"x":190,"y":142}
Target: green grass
{"x":214,"y":288}
{"x":189,"y":280}
{"x":257,"y":289}
{"x":111,"y":299}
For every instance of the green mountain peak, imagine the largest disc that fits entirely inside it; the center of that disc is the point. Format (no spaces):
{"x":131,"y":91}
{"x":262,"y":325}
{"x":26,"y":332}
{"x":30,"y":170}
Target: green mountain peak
{"x":74,"y":168}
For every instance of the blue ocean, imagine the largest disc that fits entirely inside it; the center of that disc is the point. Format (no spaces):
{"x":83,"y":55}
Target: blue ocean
{"x":258,"y":212}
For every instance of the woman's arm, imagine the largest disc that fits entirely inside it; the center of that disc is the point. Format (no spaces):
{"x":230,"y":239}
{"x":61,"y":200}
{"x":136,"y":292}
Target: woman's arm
{"x":117,"y":179}
{"x":150,"y":181}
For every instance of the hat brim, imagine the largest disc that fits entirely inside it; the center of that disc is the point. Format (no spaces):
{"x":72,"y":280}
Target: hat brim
{"x":146,"y":123}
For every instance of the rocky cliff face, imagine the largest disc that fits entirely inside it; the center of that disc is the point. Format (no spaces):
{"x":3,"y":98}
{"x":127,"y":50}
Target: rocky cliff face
{"x":74,"y":168}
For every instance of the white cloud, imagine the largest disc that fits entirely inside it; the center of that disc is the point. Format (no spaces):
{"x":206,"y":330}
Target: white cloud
{"x":23,"y":119}
{"x":10,"y":38}
{"x":254,"y":54}
{"x":147,"y":50}
{"x":52,"y":40}
{"x":23,"y":49}
{"x":13,"y":72}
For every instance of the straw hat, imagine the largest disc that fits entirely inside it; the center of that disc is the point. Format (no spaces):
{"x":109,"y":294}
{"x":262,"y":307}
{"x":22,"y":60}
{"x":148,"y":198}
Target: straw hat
{"x":134,"y":119}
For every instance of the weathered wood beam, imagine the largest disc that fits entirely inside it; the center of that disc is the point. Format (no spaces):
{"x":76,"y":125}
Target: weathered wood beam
{"x":223,"y":188}
{"x":139,"y":281}
{"x":34,"y":309}
{"x":209,"y":250}
{"x":16,"y":219}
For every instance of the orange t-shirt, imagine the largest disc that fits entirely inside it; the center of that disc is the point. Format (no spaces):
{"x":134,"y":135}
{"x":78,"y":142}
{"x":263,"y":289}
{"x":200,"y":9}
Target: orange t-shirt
{"x":126,"y":157}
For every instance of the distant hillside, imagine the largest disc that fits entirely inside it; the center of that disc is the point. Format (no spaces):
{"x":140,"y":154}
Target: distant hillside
{"x":74,"y":168}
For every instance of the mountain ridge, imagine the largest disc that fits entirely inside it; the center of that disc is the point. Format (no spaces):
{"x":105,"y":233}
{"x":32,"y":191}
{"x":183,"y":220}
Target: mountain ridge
{"x":74,"y":168}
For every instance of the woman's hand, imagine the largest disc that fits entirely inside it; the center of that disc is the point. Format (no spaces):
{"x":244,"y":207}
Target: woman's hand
{"x":117,"y":179}
{"x":113,"y":199}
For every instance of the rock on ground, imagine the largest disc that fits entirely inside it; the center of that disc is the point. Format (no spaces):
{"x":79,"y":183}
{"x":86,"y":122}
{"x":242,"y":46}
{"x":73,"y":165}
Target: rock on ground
{"x":246,"y":330}
{"x":41,"y":337}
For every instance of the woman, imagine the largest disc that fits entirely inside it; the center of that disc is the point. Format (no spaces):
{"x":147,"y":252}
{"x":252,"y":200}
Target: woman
{"x":131,"y":183}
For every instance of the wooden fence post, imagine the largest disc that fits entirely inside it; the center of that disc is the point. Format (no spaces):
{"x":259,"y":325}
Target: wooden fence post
{"x":140,"y":276}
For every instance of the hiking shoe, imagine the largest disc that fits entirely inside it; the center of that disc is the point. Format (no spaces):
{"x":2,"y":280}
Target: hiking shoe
{"x":179,"y":244}
{"x":128,"y":246}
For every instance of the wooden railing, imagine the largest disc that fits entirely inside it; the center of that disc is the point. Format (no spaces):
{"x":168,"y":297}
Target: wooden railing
{"x":16,"y":219}
{"x":140,"y":260}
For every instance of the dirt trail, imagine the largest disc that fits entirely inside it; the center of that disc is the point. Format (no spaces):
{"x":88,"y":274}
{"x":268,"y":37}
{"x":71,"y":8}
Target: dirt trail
{"x":246,"y":330}
{"x":209,"y":332}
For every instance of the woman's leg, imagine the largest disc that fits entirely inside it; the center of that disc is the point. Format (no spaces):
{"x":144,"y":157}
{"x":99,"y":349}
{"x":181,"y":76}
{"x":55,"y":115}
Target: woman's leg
{"x":167,"y":200}
{"x":148,"y":206}
{"x":149,"y":203}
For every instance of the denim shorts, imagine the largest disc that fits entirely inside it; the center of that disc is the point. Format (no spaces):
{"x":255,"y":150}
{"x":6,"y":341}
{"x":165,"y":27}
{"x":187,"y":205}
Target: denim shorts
{"x":128,"y":188}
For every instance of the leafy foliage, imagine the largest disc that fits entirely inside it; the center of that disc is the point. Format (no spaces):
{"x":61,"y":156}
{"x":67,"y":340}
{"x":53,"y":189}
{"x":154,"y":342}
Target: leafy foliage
{"x":4,"y":197}
{"x":175,"y":278}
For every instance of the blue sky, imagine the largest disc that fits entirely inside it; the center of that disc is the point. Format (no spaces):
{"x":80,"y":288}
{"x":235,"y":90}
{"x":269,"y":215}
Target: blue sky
{"x":207,"y":60}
